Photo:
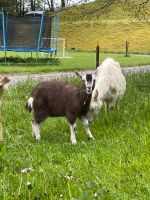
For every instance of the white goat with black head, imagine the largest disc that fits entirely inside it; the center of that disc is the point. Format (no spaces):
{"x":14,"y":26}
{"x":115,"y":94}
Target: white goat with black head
{"x":58,"y":99}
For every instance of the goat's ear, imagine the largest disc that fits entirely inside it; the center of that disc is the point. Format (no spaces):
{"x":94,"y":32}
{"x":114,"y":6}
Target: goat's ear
{"x":4,"y":80}
{"x":95,"y":73}
{"x":78,"y":74}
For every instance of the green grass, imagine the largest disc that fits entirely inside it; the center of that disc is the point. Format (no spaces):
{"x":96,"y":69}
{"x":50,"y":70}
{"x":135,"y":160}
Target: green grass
{"x":114,"y":166}
{"x":76,"y":60}
{"x":110,"y":34}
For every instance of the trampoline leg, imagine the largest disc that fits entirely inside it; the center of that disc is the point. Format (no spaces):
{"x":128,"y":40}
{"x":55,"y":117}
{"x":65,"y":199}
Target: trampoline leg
{"x":5,"y":56}
{"x":36,"y":57}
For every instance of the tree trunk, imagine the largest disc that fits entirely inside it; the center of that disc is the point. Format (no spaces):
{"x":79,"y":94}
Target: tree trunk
{"x":63,"y":3}
{"x":20,"y":10}
{"x":3,"y":81}
{"x":23,"y":8}
{"x":52,"y":6}
{"x":33,"y":5}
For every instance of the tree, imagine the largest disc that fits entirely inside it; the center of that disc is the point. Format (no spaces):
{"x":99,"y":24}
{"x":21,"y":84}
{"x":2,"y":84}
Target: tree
{"x":50,"y":4}
{"x":9,"y":5}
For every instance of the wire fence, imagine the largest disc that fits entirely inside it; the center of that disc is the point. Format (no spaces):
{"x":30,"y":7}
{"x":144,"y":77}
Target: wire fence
{"x":136,"y":77}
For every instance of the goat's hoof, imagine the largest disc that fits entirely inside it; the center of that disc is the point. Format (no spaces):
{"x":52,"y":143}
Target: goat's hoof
{"x":90,"y":119}
{"x":73,"y":142}
{"x":37,"y":139}
{"x":91,"y":138}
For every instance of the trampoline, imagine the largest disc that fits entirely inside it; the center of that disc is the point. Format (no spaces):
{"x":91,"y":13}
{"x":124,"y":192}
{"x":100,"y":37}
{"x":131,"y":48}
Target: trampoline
{"x":27,"y":33}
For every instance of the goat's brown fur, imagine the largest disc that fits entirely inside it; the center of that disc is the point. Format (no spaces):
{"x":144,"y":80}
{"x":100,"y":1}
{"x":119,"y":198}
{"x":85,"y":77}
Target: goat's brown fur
{"x":56,"y":99}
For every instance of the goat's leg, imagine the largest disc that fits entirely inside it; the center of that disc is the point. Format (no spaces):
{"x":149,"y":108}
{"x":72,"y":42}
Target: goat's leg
{"x":35,"y":130}
{"x":106,"y":109}
{"x":39,"y":117}
{"x":117,"y":103}
{"x":86,"y":126}
{"x":73,"y":133}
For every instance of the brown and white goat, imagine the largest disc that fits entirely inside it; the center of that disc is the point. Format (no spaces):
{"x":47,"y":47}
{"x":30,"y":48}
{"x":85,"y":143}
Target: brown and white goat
{"x":58,"y":99}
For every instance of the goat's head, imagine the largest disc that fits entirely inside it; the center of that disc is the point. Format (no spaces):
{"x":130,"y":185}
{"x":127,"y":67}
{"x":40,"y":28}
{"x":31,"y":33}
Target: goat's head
{"x":3,"y":81}
{"x":88,"y":79}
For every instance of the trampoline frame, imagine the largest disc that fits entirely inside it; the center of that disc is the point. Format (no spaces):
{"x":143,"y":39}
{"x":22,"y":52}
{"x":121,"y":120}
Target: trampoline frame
{"x":54,"y":44}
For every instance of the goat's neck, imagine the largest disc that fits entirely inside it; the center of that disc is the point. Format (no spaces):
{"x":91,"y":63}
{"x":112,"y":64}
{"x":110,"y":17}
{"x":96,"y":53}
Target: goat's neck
{"x":84,"y":97}
{"x":85,"y":100}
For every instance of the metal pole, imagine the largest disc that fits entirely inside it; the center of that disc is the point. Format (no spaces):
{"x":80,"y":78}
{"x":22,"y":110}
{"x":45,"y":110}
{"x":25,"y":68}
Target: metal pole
{"x":97,"y":56}
{"x":64,"y":46}
{"x":36,"y":56}
{"x":39,"y":40}
{"x":4,"y":34}
{"x":33,"y":31}
{"x":52,"y":33}
{"x":57,"y":23}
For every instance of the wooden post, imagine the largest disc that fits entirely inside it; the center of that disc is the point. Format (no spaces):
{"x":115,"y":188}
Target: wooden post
{"x":127,"y":48}
{"x":66,"y":45}
{"x":3,"y":81}
{"x":97,"y":56}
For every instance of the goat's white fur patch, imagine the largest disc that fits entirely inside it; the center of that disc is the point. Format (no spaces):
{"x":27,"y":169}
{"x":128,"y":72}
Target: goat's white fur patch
{"x":30,"y":102}
{"x":89,"y":84}
{"x":73,"y":133}
{"x":86,"y":126}
{"x":36,"y":130}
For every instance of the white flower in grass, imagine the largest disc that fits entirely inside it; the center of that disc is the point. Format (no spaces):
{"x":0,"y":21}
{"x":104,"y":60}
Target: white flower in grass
{"x":68,"y":177}
{"x":27,"y":170}
{"x":95,"y":194}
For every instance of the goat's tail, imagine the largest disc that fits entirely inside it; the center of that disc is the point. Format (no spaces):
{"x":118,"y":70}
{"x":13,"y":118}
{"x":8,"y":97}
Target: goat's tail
{"x":29,"y":105}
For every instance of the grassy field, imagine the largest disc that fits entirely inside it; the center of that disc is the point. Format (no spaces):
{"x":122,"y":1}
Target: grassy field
{"x":111,"y":30}
{"x":111,"y":35}
{"x":114,"y":166}
{"x":73,"y":60}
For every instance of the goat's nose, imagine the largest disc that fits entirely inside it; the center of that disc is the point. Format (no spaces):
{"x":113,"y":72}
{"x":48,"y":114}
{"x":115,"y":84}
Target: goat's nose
{"x":89,"y":88}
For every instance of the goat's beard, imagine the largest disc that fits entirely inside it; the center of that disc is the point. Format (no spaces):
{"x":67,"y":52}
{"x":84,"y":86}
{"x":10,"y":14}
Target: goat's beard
{"x":89,"y":92}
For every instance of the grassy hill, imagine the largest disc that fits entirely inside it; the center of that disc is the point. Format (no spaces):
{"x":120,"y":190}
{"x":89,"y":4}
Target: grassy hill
{"x":110,"y":30}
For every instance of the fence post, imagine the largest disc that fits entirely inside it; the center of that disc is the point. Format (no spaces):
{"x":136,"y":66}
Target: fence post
{"x":3,"y":81}
{"x":66,"y":45}
{"x":127,"y":48}
{"x":97,"y":55}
